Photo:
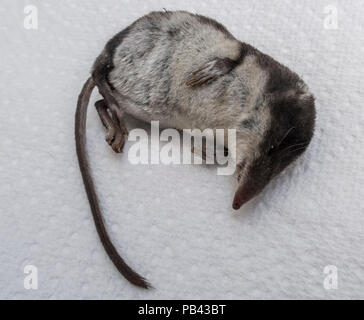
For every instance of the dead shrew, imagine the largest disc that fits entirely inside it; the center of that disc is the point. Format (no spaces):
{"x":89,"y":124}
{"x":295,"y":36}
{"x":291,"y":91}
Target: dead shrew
{"x":188,"y":71}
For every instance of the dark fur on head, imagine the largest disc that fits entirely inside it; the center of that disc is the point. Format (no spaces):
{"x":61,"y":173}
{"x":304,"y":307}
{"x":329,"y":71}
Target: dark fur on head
{"x":291,"y":129}
{"x":293,"y":118}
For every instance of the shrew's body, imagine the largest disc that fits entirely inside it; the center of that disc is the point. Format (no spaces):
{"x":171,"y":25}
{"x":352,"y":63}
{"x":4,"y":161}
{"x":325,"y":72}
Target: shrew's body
{"x":188,"y":72}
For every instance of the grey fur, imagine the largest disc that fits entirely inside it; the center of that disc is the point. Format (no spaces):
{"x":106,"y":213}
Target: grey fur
{"x":189,"y":72}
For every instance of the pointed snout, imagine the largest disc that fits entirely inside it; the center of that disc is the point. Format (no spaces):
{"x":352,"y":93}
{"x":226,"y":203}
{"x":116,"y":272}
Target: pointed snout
{"x":243,"y":195}
{"x":249,"y":188}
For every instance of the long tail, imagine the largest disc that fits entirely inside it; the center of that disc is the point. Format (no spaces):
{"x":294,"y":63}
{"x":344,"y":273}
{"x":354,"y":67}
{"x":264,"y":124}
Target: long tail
{"x":80,"y":133}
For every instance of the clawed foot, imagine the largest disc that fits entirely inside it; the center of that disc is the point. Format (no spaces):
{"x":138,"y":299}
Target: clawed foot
{"x":210,"y":72}
{"x":211,"y":157}
{"x":203,"y":76}
{"x":116,"y":137}
{"x":114,"y":124}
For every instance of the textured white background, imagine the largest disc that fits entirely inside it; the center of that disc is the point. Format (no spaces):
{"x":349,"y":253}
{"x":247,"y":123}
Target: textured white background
{"x":175,"y":224}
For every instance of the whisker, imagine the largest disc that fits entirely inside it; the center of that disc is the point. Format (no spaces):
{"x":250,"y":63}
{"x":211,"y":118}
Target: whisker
{"x":286,"y":135}
{"x":294,"y":150}
{"x":295,"y":145}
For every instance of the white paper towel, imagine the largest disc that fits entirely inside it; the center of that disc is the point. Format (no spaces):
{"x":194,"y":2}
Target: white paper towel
{"x":175,"y":224}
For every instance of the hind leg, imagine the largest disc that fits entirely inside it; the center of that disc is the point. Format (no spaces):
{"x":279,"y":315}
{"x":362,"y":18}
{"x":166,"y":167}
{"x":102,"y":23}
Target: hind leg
{"x":122,"y":131}
{"x":114,"y":124}
{"x":205,"y":153}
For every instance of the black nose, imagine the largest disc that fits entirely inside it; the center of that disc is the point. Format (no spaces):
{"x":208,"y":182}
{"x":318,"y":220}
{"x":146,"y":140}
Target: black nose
{"x":236,"y":205}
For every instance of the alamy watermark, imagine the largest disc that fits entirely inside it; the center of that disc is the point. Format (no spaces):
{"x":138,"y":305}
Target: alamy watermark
{"x":209,"y":145}
{"x":31,"y":17}
{"x":331,"y":281}
{"x":31,"y":277}
{"x":331,"y":21}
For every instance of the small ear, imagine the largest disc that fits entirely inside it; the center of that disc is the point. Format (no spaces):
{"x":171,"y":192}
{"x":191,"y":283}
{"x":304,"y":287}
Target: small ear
{"x":298,"y":94}
{"x":300,"y":98}
{"x":210,"y":72}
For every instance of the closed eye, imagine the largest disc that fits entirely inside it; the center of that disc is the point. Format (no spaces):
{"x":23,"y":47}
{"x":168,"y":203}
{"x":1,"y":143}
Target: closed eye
{"x":272,"y":149}
{"x":275,"y":147}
